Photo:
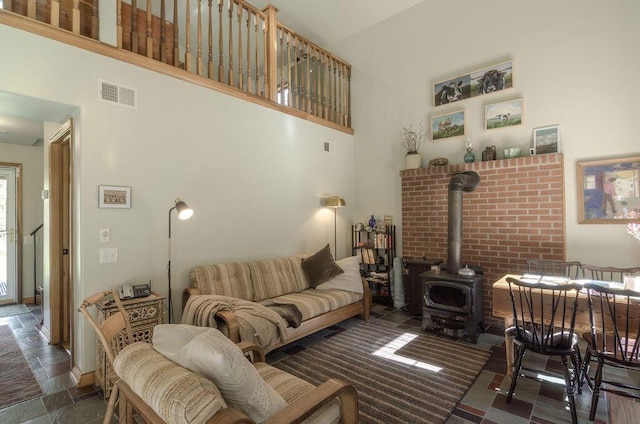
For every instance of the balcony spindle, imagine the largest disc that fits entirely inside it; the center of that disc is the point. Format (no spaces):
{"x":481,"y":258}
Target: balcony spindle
{"x":31,"y":9}
{"x":308,"y":78}
{"x":296,"y":85}
{"x":240,"y":64}
{"x":256,"y":27}
{"x":176,"y":49}
{"x":249,"y":81}
{"x":163,"y":33}
{"x":230,"y":65}
{"x":288,"y":69}
{"x":149,"y":30}
{"x":134,"y":26}
{"x":210,"y":59}
{"x":119,"y":23}
{"x":187,"y":31}
{"x":75,"y":17}
{"x":220,"y":42}
{"x":55,"y":13}
{"x":95,"y":20}
{"x":199,"y":63}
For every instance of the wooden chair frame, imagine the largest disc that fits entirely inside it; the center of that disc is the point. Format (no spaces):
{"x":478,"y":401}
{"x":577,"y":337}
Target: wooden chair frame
{"x":546,"y":329}
{"x":614,"y":340}
{"x":607,"y":273}
{"x":571,"y":270}
{"x":110,"y":335}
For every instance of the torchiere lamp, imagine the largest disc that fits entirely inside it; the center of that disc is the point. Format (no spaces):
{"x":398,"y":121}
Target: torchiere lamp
{"x":335,"y":202}
{"x":184,"y":212}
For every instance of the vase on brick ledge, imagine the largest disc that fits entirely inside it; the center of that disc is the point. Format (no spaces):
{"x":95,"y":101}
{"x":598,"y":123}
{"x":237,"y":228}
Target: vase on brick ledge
{"x":413,"y":161}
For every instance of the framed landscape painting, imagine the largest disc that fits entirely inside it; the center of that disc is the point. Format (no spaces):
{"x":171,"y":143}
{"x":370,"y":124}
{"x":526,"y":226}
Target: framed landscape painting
{"x":504,"y":114}
{"x":546,"y":139}
{"x":447,"y":125}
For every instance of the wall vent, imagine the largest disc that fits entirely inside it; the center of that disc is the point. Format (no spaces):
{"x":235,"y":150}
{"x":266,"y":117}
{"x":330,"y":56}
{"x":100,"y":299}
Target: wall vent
{"x":118,"y":94}
{"x":329,"y":147}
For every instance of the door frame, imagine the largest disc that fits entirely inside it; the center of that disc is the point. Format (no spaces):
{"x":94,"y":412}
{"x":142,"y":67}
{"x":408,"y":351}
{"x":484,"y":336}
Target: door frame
{"x":18,"y":234}
{"x":61,"y":281}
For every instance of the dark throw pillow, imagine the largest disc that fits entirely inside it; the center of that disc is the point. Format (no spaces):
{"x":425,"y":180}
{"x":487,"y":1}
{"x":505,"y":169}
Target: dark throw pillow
{"x":320,"y":267}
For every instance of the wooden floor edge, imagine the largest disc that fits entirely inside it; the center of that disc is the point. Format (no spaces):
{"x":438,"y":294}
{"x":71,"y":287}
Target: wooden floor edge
{"x":39,"y":28}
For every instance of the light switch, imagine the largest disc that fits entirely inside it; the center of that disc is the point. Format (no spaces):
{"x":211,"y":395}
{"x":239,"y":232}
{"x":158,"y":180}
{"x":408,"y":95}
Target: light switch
{"x":109,"y":256}
{"x":105,"y":235}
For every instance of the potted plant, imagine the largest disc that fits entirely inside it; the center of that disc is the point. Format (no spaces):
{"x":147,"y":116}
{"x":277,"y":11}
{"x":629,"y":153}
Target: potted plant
{"x":411,"y":141}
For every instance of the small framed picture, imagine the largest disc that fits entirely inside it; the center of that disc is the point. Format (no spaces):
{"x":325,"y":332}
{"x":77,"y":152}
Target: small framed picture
{"x":546,"y":139}
{"x":114,"y":197}
{"x":503,"y":114}
{"x":447,"y":125}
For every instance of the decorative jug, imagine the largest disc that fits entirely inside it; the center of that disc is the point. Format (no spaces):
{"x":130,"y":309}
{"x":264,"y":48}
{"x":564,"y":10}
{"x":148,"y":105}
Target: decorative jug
{"x":489,"y":153}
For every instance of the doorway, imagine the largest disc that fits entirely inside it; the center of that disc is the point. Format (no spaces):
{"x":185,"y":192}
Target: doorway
{"x":10,"y":233}
{"x":60,"y":223}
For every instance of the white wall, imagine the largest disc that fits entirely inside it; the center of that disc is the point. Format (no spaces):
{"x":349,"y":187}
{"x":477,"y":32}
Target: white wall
{"x":32,"y":160}
{"x":576,"y":64}
{"x":252,"y":175}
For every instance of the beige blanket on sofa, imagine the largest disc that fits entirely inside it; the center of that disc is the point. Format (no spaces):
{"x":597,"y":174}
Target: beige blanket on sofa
{"x":258,"y":324}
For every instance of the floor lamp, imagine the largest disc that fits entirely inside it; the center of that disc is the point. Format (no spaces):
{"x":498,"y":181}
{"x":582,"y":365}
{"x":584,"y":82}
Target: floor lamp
{"x":184,"y":212}
{"x":335,"y":202}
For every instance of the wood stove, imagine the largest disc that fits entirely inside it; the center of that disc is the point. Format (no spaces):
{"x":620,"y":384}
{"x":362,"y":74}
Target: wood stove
{"x":453,"y":303}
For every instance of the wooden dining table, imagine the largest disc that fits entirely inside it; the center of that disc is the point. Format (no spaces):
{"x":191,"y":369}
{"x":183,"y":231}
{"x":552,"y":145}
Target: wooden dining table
{"x":503,"y":308}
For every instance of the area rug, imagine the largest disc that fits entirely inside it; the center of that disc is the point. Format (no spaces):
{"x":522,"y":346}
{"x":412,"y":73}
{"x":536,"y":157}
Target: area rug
{"x":7,"y":311}
{"x":19,"y":383}
{"x":400,"y":377}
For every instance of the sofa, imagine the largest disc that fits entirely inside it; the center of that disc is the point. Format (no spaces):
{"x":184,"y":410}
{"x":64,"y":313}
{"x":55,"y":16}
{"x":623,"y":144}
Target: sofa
{"x":320,"y":291}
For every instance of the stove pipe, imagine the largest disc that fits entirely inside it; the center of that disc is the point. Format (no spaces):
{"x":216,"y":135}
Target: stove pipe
{"x":465,"y":181}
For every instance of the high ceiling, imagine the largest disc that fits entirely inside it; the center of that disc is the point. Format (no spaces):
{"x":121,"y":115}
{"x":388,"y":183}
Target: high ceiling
{"x":326,"y":22}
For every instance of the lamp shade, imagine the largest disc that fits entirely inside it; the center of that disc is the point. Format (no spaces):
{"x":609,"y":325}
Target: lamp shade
{"x":335,"y":202}
{"x":184,"y":211}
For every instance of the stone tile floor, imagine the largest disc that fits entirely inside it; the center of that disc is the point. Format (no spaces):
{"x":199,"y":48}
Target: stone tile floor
{"x":485,"y":402}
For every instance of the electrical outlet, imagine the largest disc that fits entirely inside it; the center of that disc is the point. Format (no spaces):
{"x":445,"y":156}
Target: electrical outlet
{"x":105,"y":235}
{"x":109,"y":256}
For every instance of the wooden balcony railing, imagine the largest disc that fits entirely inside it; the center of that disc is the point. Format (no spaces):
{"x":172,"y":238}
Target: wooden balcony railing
{"x":228,"y":42}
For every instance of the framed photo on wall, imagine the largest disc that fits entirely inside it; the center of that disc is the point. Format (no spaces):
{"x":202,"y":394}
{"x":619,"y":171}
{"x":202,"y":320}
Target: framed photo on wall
{"x":447,"y":125}
{"x":546,"y":139}
{"x":608,"y":191}
{"x":503,"y":114}
{"x":114,"y":197}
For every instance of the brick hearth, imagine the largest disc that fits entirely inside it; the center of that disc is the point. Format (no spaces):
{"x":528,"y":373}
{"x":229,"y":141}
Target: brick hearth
{"x":516,"y":213}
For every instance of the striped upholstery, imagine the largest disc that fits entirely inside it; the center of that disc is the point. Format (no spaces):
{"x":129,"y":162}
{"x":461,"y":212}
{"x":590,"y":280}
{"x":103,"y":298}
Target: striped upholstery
{"x":173,"y":392}
{"x":312,"y":302}
{"x":292,"y":388}
{"x":232,"y":279}
{"x":275,"y":277}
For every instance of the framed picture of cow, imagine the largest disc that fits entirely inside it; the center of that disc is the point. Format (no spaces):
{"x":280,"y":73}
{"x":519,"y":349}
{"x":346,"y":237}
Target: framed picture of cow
{"x":491,"y":79}
{"x":447,"y":125}
{"x":503,"y":114}
{"x":451,"y":90}
{"x":546,"y":139}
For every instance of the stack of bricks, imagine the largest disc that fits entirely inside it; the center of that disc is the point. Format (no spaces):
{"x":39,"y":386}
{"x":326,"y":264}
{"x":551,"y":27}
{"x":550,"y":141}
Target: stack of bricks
{"x":516,"y":213}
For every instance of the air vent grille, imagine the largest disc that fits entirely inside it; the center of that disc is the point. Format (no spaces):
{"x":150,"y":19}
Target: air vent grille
{"x":329,"y":147}
{"x":118,"y":94}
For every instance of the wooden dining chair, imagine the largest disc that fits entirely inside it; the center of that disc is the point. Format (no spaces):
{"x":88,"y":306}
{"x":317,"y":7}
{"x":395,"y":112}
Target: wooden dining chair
{"x":543,"y":322}
{"x":614,"y":341}
{"x":571,"y":270}
{"x":607,"y":273}
{"x":114,"y":333}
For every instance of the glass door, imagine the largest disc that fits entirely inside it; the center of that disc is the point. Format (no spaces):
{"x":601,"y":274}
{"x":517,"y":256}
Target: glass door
{"x":8,"y":242}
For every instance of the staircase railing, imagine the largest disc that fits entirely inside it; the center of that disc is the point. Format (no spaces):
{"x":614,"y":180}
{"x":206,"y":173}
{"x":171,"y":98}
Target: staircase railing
{"x":228,"y":42}
{"x":34,"y":234}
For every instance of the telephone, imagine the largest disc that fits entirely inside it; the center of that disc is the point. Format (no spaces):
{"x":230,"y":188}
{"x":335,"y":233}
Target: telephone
{"x":127,"y":291}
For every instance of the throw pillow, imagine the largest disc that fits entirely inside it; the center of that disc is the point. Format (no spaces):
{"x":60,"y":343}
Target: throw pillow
{"x":320,"y":267}
{"x":217,"y":358}
{"x":350,"y":280}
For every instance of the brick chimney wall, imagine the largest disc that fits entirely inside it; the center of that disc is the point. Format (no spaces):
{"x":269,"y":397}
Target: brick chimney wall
{"x":516,"y":213}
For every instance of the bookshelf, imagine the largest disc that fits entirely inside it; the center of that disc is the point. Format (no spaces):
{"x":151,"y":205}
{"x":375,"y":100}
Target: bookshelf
{"x":377,"y":250}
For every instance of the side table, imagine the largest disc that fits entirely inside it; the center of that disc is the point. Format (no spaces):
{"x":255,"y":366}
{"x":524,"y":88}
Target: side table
{"x":144,"y":314}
